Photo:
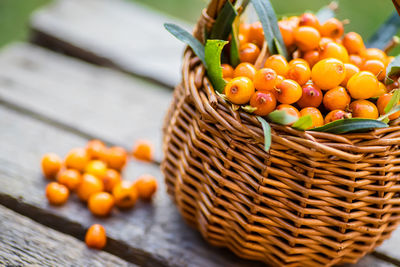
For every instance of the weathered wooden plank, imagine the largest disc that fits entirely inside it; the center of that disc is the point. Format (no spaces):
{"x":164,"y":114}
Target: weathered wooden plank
{"x":94,"y":100}
{"x":114,"y":33}
{"x":25,"y":242}
{"x":150,"y":235}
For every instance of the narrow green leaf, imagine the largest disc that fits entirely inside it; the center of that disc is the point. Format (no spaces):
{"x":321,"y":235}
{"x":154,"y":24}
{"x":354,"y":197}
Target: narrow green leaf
{"x":267,"y":133}
{"x":385,"y":118}
{"x":326,"y":12}
{"x":213,"y":52}
{"x":385,"y":33}
{"x":393,"y":101}
{"x":188,"y":39}
{"x":392,"y":69}
{"x":281,"y":117}
{"x":350,"y":125}
{"x":234,"y":56}
{"x":223,"y":25}
{"x":303,"y":123}
{"x":268,"y":19}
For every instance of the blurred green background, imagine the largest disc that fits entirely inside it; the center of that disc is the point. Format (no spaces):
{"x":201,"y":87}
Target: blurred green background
{"x":365,"y":15}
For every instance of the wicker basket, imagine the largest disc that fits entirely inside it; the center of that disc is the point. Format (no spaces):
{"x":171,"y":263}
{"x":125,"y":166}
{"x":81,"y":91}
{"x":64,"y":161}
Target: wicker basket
{"x":316,"y":199}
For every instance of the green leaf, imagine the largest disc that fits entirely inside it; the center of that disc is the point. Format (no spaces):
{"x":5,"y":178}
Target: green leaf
{"x":350,"y":125}
{"x":188,"y":39}
{"x":385,"y":118}
{"x":392,"y":69}
{"x":385,"y":33}
{"x":327,"y":12}
{"x":234,"y":56}
{"x":223,"y":25}
{"x":393,"y":101}
{"x":213,"y":52}
{"x":267,"y":133}
{"x":267,"y":16}
{"x":249,"y":109}
{"x":303,"y":123}
{"x":281,"y":117}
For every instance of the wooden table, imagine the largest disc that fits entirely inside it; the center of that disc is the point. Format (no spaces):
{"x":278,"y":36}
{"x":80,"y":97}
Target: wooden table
{"x":52,"y":101}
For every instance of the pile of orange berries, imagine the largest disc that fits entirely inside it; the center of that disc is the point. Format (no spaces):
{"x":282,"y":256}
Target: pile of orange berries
{"x":332,"y":76}
{"x":94,"y":174}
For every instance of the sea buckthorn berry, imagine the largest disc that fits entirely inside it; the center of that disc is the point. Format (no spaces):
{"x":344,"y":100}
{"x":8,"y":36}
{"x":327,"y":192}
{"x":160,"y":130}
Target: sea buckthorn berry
{"x":249,"y":53}
{"x":356,"y":60}
{"x":288,"y":92}
{"x":143,"y":150}
{"x":96,"y":237}
{"x":294,"y":21}
{"x":300,"y":73}
{"x":334,"y":50}
{"x":242,"y":39}
{"x":286,"y":29}
{"x":297,"y":61}
{"x":290,"y":110}
{"x":306,"y":38}
{"x":315,"y":114}
{"x":311,"y":97}
{"x":96,"y":149}
{"x":89,"y":185}
{"x":146,"y":186}
{"x":265,"y":79}
{"x":117,"y":158}
{"x":383,"y":101}
{"x":256,"y":34}
{"x":244,"y":29}
{"x":335,"y":115}
{"x":363,"y":85}
{"x":77,"y":159}
{"x":328,"y":73}
{"x":57,"y":194}
{"x":97,"y":168}
{"x":101,"y":204}
{"x":374,"y":53}
{"x":353,"y":43}
{"x":51,"y":165}
{"x":239,"y":90}
{"x":125,"y":195}
{"x":227,"y":71}
{"x":279,"y":80}
{"x":351,"y":70}
{"x":245,"y":70}
{"x":111,"y":179}
{"x":364,"y":109}
{"x":376,"y":67}
{"x":278,"y":63}
{"x":332,"y":28}
{"x":382,"y":90}
{"x":264,"y":101}
{"x":312,"y":57}
{"x":324,"y":41}
{"x":336,"y":98}
{"x":309,"y":19}
{"x":70,"y":178}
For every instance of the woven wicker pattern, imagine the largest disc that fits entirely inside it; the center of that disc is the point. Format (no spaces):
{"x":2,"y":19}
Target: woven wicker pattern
{"x":316,"y":199}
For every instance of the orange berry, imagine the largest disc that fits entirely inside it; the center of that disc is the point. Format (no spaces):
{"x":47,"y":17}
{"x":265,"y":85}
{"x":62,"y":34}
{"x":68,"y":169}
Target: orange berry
{"x":278,"y":63}
{"x":383,"y":101}
{"x":336,"y":98}
{"x":245,"y":70}
{"x":381,"y":91}
{"x":332,"y":28}
{"x":288,"y":92}
{"x":125,"y":195}
{"x":311,"y":97}
{"x":374,"y":53}
{"x":335,"y":115}
{"x":290,"y":110}
{"x":356,"y":60}
{"x":264,"y":101}
{"x":309,"y":19}
{"x":244,"y":29}
{"x":51,"y":165}
{"x":265,"y":79}
{"x":249,"y":53}
{"x":143,"y":150}
{"x":227,"y":71}
{"x":70,"y":178}
{"x":353,"y":43}
{"x":312,"y":57}
{"x":286,"y":29}
{"x":334,"y":50}
{"x":300,"y":73}
{"x":364,"y":109}
{"x":239,"y":90}
{"x":77,"y":159}
{"x":351,"y":70}
{"x":279,"y":80}
{"x":315,"y":114}
{"x":117,"y":158}
{"x":328,"y":73}
{"x":101,"y":204}
{"x":96,"y":237}
{"x":324,"y":41}
{"x":376,"y":67}
{"x":97,"y":168}
{"x":57,"y":194}
{"x":96,"y":149}
{"x":256,"y":34}
{"x":89,"y":185}
{"x":146,"y":186}
{"x":307,"y":38}
{"x":111,"y":179}
{"x":363,"y":85}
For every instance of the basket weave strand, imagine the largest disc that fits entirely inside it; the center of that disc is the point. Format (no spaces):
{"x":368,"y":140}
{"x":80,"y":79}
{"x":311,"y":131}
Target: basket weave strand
{"x":316,"y":199}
